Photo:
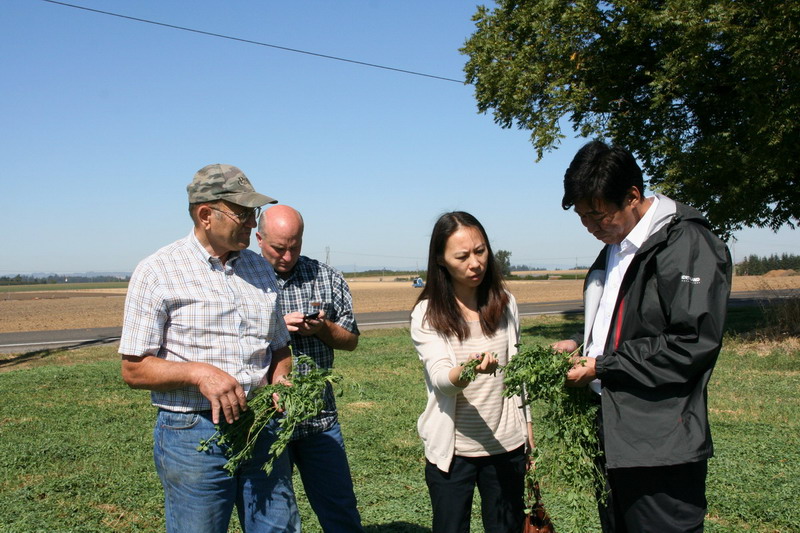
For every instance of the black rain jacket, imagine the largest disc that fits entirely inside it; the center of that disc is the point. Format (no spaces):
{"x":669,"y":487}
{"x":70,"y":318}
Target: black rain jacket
{"x":663,"y":343}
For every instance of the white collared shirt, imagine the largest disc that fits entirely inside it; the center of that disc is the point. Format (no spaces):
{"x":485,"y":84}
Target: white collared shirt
{"x":618,"y":260}
{"x":185,"y":305}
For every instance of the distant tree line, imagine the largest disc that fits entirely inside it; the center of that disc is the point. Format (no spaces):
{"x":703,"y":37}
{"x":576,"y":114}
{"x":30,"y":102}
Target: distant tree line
{"x":384,"y":272}
{"x":53,"y":279}
{"x":756,"y":266}
{"x":526,"y":268}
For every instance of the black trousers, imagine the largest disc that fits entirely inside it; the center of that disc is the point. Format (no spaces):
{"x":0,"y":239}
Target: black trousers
{"x":659,"y":499}
{"x":500,"y":481}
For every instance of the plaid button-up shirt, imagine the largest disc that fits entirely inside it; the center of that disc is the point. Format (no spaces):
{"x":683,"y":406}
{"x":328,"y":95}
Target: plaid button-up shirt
{"x":314,"y":281}
{"x":185,"y":305}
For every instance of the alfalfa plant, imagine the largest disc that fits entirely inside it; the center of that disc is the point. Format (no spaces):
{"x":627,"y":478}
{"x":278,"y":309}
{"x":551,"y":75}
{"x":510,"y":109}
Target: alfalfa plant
{"x":566,"y":447}
{"x":297,"y":402}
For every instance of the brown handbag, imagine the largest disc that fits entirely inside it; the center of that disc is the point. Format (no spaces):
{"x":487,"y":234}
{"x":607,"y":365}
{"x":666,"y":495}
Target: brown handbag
{"x":536,"y":518}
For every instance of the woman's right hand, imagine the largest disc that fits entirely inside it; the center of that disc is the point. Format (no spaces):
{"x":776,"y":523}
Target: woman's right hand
{"x":488,"y":365}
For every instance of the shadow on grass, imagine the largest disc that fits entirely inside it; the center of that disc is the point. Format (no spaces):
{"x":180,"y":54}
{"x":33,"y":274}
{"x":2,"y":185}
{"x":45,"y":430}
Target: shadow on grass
{"x":745,"y":318}
{"x":27,"y":357}
{"x":21,"y":359}
{"x":568,"y":326}
{"x":397,"y":527}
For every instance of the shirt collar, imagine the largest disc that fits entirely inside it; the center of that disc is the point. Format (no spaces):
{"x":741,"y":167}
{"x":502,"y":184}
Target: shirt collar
{"x":296,"y":273}
{"x":641,"y":231}
{"x":201,"y":253}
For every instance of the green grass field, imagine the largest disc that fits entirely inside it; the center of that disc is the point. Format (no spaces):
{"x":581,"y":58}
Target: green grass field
{"x":77,"y":441}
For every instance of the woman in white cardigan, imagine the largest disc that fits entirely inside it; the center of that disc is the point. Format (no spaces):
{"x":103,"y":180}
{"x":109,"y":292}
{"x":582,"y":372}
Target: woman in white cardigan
{"x":473,"y":435}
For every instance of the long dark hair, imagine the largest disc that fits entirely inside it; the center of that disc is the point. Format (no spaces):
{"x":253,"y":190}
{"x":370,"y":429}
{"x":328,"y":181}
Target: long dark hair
{"x":443,"y":313}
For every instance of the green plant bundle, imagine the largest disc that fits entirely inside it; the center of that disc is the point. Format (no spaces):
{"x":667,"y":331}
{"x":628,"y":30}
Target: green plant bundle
{"x":468,"y":373}
{"x":566,"y":445}
{"x":300,"y":401}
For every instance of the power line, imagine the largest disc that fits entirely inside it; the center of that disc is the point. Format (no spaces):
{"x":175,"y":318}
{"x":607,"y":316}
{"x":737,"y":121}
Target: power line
{"x":248,"y":41}
{"x":329,"y":252}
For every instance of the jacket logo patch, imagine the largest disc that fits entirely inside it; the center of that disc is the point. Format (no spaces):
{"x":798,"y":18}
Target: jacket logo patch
{"x":690,"y":279}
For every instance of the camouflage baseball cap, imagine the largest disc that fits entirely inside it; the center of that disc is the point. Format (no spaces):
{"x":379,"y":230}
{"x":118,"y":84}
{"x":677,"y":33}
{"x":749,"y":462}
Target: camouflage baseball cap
{"x":225,"y":182}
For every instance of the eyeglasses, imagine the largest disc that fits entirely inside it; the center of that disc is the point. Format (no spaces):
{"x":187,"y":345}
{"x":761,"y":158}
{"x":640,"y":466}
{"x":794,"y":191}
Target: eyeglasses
{"x":597,"y":218}
{"x":242,"y":216}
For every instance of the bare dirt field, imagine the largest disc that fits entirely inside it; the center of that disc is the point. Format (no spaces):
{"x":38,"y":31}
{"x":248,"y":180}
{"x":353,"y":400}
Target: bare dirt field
{"x":52,"y":310}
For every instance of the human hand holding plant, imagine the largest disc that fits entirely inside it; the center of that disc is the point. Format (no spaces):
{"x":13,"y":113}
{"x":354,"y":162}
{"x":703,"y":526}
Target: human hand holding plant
{"x":296,"y":397}
{"x":567,"y":345}
{"x":223,"y":391}
{"x":567,"y":446}
{"x":582,"y":372}
{"x":477,"y":363}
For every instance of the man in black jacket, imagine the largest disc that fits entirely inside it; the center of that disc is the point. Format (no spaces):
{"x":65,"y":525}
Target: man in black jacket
{"x":655,"y":304}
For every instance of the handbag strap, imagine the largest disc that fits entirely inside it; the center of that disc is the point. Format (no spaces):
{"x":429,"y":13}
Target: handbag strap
{"x":536,"y":493}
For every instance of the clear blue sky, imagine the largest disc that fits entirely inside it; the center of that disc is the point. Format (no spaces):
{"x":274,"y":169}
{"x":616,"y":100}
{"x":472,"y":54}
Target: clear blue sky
{"x":106,"y":120}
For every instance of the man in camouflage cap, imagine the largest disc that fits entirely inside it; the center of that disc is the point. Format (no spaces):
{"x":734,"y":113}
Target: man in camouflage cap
{"x":201,"y":331}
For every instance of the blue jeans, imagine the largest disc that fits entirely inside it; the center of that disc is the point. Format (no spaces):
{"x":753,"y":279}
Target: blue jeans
{"x":199,"y":495}
{"x":323,"y":467}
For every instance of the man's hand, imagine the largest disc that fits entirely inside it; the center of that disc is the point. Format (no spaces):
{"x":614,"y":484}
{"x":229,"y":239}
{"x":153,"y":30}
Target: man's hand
{"x":565,"y":346}
{"x":297,"y":323}
{"x":279,"y":371}
{"x":222,"y":390}
{"x":582,"y":372}
{"x":276,"y":398}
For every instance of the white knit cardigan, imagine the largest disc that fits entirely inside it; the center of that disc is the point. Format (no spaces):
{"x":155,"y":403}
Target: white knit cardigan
{"x":436,"y":425}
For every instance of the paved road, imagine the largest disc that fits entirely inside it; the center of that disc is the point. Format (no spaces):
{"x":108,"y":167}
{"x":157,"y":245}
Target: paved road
{"x":28,"y":341}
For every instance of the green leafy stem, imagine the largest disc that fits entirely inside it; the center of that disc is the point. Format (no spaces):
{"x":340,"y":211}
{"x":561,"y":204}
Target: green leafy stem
{"x":296,"y":402}
{"x":567,"y":446}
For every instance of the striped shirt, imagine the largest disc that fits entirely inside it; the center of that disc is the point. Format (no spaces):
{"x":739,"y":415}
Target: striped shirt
{"x":184,"y":305}
{"x":485,"y":420}
{"x":314,"y":281}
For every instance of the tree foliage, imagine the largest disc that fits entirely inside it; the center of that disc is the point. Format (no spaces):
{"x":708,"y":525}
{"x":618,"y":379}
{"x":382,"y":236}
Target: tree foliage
{"x":503,"y":258}
{"x":706,"y":93}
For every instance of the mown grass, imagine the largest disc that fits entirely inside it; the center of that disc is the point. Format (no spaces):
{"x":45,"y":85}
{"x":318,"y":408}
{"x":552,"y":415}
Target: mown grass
{"x":77,"y":442}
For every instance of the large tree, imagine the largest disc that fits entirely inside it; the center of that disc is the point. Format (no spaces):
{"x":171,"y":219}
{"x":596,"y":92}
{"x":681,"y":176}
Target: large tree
{"x":706,"y":93}
{"x":503,"y":258}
